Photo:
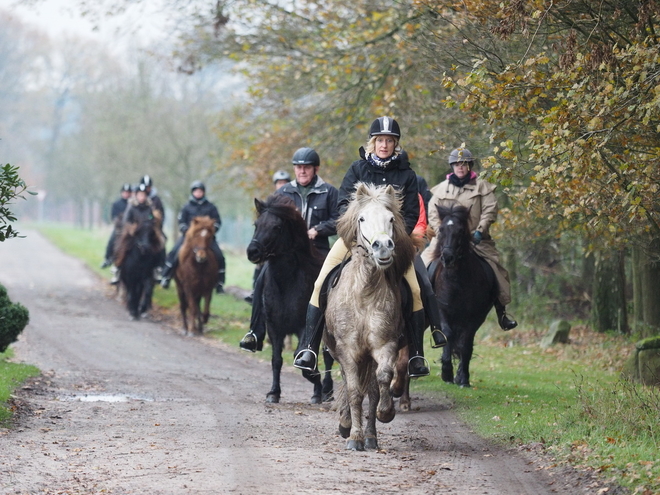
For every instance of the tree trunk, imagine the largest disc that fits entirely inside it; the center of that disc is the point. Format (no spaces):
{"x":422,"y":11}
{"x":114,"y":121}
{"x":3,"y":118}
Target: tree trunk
{"x":608,"y":309}
{"x":649,"y":268}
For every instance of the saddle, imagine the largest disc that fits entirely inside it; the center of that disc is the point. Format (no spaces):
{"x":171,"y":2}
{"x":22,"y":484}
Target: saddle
{"x":435,"y":267}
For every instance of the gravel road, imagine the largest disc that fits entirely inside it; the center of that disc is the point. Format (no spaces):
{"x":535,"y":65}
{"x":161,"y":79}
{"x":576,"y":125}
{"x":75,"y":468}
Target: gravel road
{"x":128,"y":407}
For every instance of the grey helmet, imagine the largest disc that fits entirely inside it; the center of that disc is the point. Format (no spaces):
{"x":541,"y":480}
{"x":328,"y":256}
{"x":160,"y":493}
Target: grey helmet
{"x":384,"y":126}
{"x":198,"y":184}
{"x":461,"y":155}
{"x":306,"y":156}
{"x":281,"y":175}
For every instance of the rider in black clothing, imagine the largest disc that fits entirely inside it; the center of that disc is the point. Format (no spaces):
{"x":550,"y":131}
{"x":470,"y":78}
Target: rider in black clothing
{"x":316,"y":200}
{"x":116,"y":215}
{"x":197,"y":206}
{"x":153,"y":195}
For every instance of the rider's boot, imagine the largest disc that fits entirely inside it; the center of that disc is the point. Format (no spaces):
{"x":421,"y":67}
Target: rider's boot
{"x":106,"y":263}
{"x":166,"y":276}
{"x":115,"y":275}
{"x":417,"y":365}
{"x":433,"y":312}
{"x":306,"y":358}
{"x":503,"y":319}
{"x":220,"y":286}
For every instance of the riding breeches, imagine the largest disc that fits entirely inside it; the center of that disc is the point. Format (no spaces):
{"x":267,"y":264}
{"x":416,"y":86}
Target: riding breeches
{"x":337,"y":254}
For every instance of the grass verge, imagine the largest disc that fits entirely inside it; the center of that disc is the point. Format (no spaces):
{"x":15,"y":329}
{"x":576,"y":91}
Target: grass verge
{"x":12,"y":375}
{"x":569,"y":398}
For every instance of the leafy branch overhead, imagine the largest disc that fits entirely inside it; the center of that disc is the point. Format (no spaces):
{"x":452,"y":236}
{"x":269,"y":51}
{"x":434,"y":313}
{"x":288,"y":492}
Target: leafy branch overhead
{"x":11,"y":187}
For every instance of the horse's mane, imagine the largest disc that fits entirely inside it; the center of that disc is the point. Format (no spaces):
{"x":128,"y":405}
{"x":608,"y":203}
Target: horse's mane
{"x":461,"y":216}
{"x":198,"y":224}
{"x":131,"y":231}
{"x":284,"y":208}
{"x":347,"y":225}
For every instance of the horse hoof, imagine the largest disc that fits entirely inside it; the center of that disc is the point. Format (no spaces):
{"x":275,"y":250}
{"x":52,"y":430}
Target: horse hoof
{"x":316,"y":399}
{"x":371,"y":443}
{"x":404,"y":406}
{"x":328,"y":397}
{"x":355,"y":445}
{"x":344,"y":432}
{"x":385,"y":416}
{"x":396,"y":392}
{"x":464,"y":385}
{"x":272,"y":399}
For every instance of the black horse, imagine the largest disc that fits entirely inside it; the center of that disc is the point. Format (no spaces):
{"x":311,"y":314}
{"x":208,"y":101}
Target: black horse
{"x":465,"y":287}
{"x":292,"y":265}
{"x":138,"y":254}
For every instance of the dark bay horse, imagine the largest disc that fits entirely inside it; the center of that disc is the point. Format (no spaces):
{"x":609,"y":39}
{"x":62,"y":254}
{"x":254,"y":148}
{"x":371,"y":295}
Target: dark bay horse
{"x":293,"y":264}
{"x":196,"y":273}
{"x":364,"y":315}
{"x":138,"y":254}
{"x":465,"y":287}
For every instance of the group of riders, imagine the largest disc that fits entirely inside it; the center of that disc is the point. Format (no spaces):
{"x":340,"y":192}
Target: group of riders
{"x":141,"y":203}
{"x":381,"y":161}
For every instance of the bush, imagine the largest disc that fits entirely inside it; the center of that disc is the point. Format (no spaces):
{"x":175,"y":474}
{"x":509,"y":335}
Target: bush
{"x":13,"y":319}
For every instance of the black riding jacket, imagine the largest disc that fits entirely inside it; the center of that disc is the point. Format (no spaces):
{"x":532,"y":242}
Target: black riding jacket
{"x":198,"y":208}
{"x":118,"y":208}
{"x":398,"y":174}
{"x":319,"y":209}
{"x":157,"y":203}
{"x":138,"y":213}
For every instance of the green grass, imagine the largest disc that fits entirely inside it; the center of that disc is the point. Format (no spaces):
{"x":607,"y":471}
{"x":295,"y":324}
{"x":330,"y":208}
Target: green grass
{"x":568,"y":398}
{"x":12,"y":375}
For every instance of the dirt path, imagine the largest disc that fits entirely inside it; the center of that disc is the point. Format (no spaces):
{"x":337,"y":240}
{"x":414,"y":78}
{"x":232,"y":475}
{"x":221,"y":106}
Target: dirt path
{"x":134,"y":407}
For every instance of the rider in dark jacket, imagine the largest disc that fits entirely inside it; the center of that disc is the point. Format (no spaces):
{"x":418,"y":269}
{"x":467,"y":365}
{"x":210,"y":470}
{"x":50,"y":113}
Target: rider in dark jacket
{"x":197,"y":206}
{"x":316,"y":200}
{"x":116,"y":215}
{"x":153,"y":195}
{"x":380,"y":163}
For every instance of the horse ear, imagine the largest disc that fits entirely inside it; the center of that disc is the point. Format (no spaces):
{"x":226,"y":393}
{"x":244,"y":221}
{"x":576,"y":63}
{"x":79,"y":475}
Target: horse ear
{"x":361,"y":189}
{"x":259,"y":205}
{"x":390,"y":191}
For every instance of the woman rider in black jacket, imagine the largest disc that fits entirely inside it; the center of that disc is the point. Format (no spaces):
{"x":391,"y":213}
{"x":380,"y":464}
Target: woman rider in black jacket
{"x":379,"y":164}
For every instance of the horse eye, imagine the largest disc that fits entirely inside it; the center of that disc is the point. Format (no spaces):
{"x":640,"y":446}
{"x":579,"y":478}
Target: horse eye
{"x":392,"y":220}
{"x":361,"y":219}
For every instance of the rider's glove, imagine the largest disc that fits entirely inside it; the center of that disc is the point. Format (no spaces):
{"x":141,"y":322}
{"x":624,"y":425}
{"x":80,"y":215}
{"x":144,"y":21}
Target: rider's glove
{"x":476,"y":237}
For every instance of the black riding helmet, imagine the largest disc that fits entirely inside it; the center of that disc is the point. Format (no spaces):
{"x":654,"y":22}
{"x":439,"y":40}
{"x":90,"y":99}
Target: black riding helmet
{"x":306,"y":156}
{"x":281,"y":175}
{"x":146,"y":180}
{"x":141,"y":187}
{"x":384,"y":126}
{"x":126,"y":187}
{"x":198,"y":184}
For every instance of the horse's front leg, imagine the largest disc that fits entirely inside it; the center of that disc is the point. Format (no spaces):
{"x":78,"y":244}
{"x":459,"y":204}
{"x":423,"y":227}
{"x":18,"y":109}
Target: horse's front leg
{"x":199,"y":325}
{"x":327,"y":388}
{"x":207,"y":307}
{"x":463,"y":372}
{"x":447,"y":366}
{"x":385,"y":357}
{"x":355,"y":399}
{"x":183,"y":306}
{"x":344,"y":409}
{"x":370,"y":435}
{"x":276,"y":361}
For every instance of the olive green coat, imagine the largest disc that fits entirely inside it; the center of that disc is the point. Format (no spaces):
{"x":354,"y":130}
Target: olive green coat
{"x":479,"y":197}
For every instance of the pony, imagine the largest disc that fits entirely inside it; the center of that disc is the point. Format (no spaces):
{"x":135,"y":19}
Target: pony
{"x":196,"y":274}
{"x":138,"y":254}
{"x":293,"y":264}
{"x":364,"y":315}
{"x":465,"y":287}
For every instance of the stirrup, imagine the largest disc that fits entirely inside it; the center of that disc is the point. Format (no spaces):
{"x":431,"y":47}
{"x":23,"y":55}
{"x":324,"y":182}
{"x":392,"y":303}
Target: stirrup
{"x":433,"y":344}
{"x":242,"y":342}
{"x":426,"y":364}
{"x":316,"y":360}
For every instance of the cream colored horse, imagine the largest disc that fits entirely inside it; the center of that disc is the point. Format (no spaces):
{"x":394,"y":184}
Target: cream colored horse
{"x":364,"y":316}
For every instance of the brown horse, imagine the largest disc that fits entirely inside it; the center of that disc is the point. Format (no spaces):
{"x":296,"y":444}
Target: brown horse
{"x":364,"y":315}
{"x":196,"y":274}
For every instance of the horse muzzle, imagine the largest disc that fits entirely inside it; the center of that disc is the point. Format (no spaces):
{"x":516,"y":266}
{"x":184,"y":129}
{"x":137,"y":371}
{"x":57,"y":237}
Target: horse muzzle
{"x":255,"y":253}
{"x":382,"y":250}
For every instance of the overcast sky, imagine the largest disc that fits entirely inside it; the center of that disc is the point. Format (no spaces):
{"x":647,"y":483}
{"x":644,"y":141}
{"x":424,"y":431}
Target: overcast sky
{"x":61,"y":17}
